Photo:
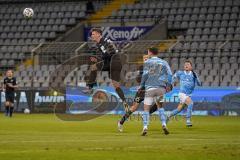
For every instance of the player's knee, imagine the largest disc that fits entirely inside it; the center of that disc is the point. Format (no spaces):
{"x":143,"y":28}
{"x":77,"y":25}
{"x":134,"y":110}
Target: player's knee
{"x":115,"y":84}
{"x":134,"y":107}
{"x":7,"y":103}
{"x":11,"y":104}
{"x":160,"y":105}
{"x":146,"y":107}
{"x":188,"y":101}
{"x":159,"y":101}
{"x":180,"y":107}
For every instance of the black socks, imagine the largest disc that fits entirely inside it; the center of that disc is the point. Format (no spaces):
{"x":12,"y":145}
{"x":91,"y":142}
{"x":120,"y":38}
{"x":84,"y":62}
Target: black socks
{"x":125,"y":117}
{"x":120,"y":93}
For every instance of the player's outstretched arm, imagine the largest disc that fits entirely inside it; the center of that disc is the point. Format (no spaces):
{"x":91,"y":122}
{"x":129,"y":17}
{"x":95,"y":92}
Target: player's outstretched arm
{"x":175,"y":77}
{"x":144,"y":75}
{"x":169,"y":73}
{"x":111,"y":47}
{"x":169,"y":86}
{"x":197,"y":79}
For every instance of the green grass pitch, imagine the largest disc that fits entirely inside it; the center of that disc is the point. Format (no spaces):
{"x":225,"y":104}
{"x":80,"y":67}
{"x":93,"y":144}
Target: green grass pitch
{"x":44,"y":136}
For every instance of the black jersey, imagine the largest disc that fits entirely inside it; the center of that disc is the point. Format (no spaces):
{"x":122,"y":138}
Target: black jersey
{"x":12,"y":81}
{"x":107,"y":49}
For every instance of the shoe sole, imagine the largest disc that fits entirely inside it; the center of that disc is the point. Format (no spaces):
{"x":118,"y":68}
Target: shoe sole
{"x":144,"y":133}
{"x":167,"y":120}
{"x":165,"y":130}
{"x":189,"y":125}
{"x":120,"y":129}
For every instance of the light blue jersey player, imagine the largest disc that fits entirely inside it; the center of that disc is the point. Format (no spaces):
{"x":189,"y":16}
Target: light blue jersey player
{"x":156,"y":79}
{"x":188,"y":79}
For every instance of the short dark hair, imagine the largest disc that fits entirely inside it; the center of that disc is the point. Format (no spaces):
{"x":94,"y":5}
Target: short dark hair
{"x":188,"y":61}
{"x":153,"y":50}
{"x":99,"y":30}
{"x":10,"y":70}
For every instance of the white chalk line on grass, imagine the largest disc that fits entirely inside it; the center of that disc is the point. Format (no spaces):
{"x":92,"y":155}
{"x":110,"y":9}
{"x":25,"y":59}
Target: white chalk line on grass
{"x":213,"y":141}
{"x":104,"y":148}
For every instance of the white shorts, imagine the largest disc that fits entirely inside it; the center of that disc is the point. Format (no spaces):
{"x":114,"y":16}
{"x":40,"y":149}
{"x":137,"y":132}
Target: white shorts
{"x":182,"y":97}
{"x":152,"y":94}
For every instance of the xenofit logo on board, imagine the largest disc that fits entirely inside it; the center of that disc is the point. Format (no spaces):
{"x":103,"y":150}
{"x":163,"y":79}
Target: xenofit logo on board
{"x":128,"y":33}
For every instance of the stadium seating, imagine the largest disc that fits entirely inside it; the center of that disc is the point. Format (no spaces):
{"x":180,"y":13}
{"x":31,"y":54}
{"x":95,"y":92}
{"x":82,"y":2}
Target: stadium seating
{"x":210,"y":34}
{"x":18,"y":36}
{"x":206,"y":26}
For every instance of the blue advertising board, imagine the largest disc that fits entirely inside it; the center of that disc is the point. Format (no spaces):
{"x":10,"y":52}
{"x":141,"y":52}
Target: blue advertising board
{"x":201,"y":94}
{"x":207,"y":100}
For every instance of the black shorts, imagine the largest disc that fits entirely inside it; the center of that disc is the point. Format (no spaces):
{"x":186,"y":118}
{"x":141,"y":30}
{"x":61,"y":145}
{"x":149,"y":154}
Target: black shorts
{"x":9,"y":97}
{"x":114,"y":74}
{"x":113,"y":68}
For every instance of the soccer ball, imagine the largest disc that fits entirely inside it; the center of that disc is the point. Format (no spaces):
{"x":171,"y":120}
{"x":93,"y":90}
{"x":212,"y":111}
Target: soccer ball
{"x":28,"y":13}
{"x":26,"y":111}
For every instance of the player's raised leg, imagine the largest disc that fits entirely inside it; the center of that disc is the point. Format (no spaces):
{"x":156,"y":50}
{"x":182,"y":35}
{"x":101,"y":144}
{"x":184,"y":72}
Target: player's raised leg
{"x":120,"y":93}
{"x":139,"y":97}
{"x":132,"y":109}
{"x":115,"y":76}
{"x":154,"y":108}
{"x":174,"y":112}
{"x":127,"y":115}
{"x":95,"y":65}
{"x":180,"y":107}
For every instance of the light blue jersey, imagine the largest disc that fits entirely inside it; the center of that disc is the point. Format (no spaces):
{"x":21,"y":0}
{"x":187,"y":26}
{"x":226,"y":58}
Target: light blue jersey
{"x":187,"y":81}
{"x":156,"y":73}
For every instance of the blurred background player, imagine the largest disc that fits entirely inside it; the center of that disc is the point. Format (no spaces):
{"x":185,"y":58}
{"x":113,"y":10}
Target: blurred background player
{"x":9,"y":86}
{"x":188,"y":79}
{"x":156,"y":77}
{"x":109,"y":61}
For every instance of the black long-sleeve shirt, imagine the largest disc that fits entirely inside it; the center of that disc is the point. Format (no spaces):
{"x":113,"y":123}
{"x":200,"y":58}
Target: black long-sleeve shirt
{"x":11,"y":81}
{"x":107,"y":49}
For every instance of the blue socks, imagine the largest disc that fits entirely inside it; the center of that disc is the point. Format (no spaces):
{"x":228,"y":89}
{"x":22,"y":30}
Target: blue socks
{"x":175,"y":112}
{"x":145,"y":117}
{"x":162,"y":116}
{"x":189,"y":111}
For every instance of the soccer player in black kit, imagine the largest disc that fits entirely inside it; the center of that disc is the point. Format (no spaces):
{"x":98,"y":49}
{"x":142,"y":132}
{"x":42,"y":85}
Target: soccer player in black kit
{"x":109,"y":60}
{"x":9,"y":86}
